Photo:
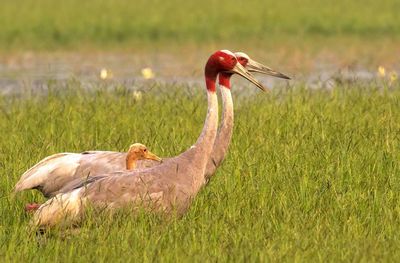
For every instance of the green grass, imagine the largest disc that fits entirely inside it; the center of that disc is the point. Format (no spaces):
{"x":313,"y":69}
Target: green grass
{"x":42,"y":24}
{"x":311,"y":175}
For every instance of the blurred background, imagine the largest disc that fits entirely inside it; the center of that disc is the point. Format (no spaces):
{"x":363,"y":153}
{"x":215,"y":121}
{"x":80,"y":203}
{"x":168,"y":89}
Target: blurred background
{"x":315,"y":41}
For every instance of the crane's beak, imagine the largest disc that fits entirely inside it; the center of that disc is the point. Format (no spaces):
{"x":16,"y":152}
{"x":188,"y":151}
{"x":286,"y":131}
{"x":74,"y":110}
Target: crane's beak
{"x":240,"y":70}
{"x":254,"y":66}
{"x":152,"y":156}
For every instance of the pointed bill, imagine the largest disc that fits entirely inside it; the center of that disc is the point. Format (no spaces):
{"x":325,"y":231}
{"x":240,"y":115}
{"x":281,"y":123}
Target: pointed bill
{"x":240,"y":70}
{"x":254,"y":66}
{"x":152,"y":156}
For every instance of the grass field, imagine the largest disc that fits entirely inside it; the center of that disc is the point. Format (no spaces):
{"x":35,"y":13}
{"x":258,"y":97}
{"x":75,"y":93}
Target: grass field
{"x":43,"y":24}
{"x":311,"y":175}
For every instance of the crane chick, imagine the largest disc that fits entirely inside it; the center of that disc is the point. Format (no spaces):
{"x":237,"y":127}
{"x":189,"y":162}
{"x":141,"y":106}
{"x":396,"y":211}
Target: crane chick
{"x":137,"y":151}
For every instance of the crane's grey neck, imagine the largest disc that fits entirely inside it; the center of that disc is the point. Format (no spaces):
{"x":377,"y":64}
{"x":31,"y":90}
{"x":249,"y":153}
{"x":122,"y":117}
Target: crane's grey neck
{"x":209,"y":131}
{"x":223,"y":138}
{"x":199,"y":154}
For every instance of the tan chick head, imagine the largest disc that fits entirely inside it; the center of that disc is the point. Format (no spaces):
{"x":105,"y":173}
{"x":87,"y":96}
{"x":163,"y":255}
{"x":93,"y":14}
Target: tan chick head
{"x":138,"y":151}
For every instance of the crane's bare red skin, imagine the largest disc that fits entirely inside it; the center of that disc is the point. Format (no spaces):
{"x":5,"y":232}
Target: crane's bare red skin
{"x":31,"y":207}
{"x":224,"y":78}
{"x":218,"y":62}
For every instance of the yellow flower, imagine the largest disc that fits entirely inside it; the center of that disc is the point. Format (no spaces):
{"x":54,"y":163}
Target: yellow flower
{"x":381,"y":72}
{"x":147,"y":73}
{"x":137,"y":95}
{"x":393,"y":77}
{"x":106,"y":74}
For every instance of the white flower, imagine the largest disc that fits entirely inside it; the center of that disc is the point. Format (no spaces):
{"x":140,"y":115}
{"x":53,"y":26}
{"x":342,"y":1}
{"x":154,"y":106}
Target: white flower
{"x":105,"y":74}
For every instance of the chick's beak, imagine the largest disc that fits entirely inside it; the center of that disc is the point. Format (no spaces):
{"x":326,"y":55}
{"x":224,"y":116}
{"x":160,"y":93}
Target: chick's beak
{"x":254,"y":66}
{"x":152,"y":156}
{"x":240,"y":70}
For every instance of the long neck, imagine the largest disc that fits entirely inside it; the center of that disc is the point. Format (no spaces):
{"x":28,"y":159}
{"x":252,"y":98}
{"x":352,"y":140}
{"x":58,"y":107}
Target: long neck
{"x":223,"y":138}
{"x":201,"y":150}
{"x":198,"y":155}
{"x":209,"y":131}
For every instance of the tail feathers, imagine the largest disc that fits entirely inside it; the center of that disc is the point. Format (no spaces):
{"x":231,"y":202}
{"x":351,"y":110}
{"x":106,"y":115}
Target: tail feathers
{"x":62,"y":210}
{"x":20,"y":186}
{"x":49,"y":171}
{"x":30,"y":183}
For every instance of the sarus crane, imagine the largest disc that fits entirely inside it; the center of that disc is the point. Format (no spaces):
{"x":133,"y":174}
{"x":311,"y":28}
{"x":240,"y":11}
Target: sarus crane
{"x":169,"y":187}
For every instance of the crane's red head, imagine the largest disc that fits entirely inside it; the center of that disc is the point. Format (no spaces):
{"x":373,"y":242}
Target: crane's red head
{"x":242,"y":58}
{"x":220,"y":61}
{"x":224,"y":61}
{"x":225,"y":78}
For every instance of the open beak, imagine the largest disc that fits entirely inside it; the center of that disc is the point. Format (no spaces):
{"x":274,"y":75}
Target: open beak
{"x":254,"y":66}
{"x":240,"y":70}
{"x":152,"y":156}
